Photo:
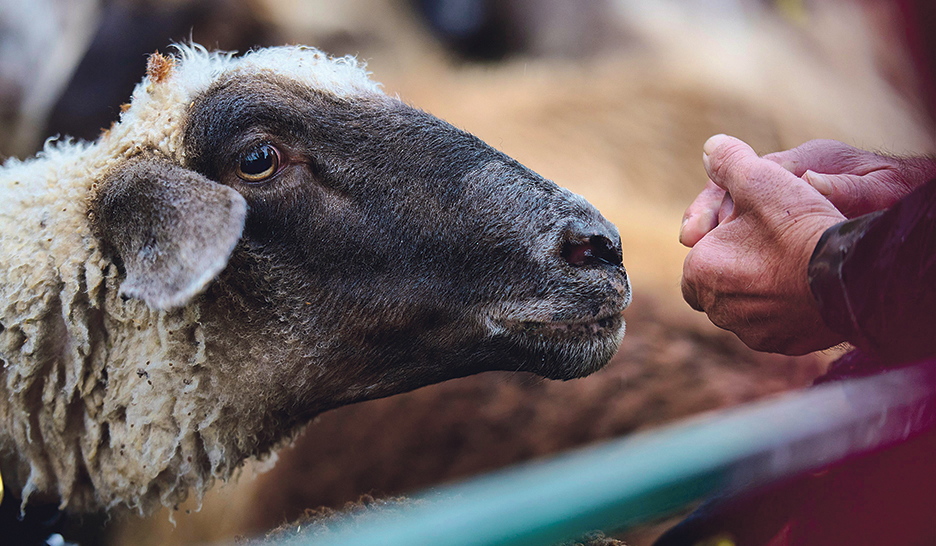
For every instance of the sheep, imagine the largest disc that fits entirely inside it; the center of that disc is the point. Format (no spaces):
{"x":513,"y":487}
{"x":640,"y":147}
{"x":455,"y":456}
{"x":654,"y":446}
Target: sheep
{"x":259,"y":239}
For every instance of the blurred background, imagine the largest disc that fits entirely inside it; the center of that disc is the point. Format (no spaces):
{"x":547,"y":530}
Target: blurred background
{"x":610,"y":98}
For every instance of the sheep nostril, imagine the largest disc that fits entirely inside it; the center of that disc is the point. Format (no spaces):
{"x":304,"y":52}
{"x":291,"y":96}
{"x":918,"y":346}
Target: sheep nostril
{"x":594,"y":250}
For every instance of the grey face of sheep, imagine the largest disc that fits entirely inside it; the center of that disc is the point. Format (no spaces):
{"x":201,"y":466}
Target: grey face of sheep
{"x":381,"y":248}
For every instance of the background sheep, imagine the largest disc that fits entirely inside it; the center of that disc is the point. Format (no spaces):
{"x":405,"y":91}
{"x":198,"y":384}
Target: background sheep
{"x":355,"y":247}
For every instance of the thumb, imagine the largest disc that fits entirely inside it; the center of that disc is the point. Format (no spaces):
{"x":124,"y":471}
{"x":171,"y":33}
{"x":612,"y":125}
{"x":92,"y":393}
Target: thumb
{"x":854,"y":195}
{"x":731,"y":164}
{"x":827,"y":156}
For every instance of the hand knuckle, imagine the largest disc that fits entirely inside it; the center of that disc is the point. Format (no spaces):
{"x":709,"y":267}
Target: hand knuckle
{"x":690,"y":295}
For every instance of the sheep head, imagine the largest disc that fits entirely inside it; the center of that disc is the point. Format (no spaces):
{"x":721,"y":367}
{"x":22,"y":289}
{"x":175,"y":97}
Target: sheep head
{"x":270,"y":237}
{"x":381,"y":250}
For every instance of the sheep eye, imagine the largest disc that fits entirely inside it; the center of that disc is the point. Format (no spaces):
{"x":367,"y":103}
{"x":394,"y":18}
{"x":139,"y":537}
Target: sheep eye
{"x":259,"y":164}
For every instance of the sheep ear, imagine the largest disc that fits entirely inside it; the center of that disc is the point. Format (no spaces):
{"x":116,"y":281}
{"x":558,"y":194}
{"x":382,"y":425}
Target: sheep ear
{"x":173,"y":228}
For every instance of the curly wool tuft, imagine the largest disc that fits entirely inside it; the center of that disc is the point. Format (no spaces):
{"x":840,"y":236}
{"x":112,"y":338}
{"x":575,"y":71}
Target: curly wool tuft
{"x":106,"y":402}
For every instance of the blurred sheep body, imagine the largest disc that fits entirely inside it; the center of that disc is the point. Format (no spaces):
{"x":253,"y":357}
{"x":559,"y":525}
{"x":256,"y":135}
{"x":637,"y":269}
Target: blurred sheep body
{"x":157,"y":327}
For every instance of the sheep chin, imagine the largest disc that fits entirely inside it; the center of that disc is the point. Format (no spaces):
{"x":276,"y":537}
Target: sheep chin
{"x":561,"y":349}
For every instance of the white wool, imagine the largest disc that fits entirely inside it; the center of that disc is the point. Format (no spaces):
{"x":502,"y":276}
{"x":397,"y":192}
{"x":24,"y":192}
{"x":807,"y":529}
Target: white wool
{"x":341,"y":76}
{"x":159,"y":106}
{"x":107,"y":401}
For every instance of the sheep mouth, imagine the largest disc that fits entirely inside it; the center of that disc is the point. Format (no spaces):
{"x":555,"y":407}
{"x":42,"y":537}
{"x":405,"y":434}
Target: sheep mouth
{"x":560,"y":349}
{"x":571,"y":329}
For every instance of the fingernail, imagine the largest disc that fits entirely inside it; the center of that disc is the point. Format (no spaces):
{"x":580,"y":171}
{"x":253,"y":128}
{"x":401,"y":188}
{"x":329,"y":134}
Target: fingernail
{"x":819,"y":181}
{"x":709,"y":148}
{"x":697,"y":226}
{"x":713,"y":143}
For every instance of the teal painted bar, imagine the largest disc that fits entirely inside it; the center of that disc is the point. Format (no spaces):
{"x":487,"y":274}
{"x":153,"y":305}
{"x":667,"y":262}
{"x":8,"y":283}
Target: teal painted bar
{"x":618,"y":484}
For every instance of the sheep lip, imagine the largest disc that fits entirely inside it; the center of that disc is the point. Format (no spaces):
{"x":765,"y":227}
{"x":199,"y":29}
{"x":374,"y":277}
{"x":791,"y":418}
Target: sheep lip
{"x":590,"y":327}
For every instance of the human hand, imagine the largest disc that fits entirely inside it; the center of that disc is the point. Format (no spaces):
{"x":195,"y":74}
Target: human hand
{"x":747,"y":272}
{"x":855,"y":181}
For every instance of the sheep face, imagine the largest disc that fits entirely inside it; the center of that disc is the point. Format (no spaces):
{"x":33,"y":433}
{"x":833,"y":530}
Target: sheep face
{"x":380,"y":248}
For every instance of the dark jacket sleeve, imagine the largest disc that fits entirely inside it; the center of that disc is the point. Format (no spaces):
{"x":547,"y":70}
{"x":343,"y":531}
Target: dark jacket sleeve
{"x":875,"y":279}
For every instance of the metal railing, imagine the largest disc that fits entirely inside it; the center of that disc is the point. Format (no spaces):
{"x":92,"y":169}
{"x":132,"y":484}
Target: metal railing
{"x":622,"y":483}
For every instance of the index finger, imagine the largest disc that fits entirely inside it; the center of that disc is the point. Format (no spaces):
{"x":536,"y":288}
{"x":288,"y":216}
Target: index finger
{"x":702,"y":215}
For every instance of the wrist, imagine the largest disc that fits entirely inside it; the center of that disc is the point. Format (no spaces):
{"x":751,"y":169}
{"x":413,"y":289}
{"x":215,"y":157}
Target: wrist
{"x":915,"y":171}
{"x":825,"y":275}
{"x":814,"y":332}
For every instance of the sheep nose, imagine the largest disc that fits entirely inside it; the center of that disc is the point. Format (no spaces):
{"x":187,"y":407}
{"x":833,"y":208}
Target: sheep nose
{"x":589,"y":244}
